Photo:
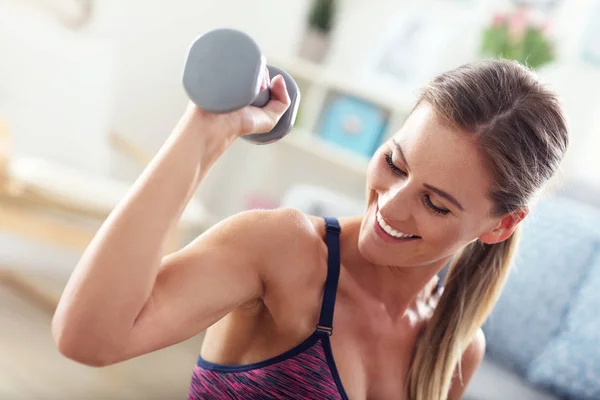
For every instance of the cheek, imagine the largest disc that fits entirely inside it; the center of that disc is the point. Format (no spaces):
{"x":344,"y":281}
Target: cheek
{"x":445,"y":236}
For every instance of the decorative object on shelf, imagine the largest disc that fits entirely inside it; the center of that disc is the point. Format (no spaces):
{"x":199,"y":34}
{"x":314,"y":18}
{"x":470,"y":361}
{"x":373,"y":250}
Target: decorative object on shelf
{"x":546,"y":5}
{"x":354,"y":124}
{"x":519,"y":35}
{"x":260,"y":201}
{"x":316,"y":40}
{"x":398,"y":60}
{"x":74,"y":14}
{"x":412,"y":46}
{"x":591,"y":44}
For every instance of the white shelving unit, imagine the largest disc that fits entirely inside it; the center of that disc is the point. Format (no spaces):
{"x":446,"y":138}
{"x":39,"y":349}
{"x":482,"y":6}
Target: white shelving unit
{"x":324,"y":77}
{"x":318,"y":85}
{"x":308,"y":142}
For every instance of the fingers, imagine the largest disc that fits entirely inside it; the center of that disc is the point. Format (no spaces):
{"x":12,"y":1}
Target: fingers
{"x":280,"y":98}
{"x":261,"y":120}
{"x":266,"y":79}
{"x":271,"y":113}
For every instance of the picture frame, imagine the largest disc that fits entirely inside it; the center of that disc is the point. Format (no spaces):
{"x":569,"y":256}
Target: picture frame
{"x":416,"y":44}
{"x":353,"y":123}
{"x":399,"y":58}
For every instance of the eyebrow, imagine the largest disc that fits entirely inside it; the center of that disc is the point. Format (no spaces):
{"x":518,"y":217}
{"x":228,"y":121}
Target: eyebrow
{"x":439,"y":192}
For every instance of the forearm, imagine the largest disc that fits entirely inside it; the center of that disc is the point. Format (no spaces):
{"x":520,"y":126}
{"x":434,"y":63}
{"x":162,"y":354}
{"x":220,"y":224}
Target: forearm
{"x":116,"y":274}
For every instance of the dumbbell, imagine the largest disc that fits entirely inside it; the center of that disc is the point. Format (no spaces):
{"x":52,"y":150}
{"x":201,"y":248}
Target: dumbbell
{"x":223,"y":72}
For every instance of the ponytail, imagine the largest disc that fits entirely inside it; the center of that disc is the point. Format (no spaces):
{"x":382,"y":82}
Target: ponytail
{"x":475,"y":280}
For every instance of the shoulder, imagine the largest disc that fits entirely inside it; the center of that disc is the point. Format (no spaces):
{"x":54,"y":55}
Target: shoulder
{"x":287,"y":225}
{"x":476,"y":349}
{"x":254,"y":226}
{"x":294,"y":238}
{"x":474,"y":354}
{"x":272,"y":234}
{"x":470,"y":361}
{"x":291,"y":255}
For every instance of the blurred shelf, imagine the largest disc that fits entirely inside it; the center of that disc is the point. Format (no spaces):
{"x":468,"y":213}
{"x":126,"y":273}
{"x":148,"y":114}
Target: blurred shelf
{"x":353,"y":85}
{"x":306,"y":141}
{"x":320,"y":84}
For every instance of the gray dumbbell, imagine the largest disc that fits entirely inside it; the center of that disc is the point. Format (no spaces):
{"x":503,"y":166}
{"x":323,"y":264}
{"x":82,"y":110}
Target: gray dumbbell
{"x":223,"y":73}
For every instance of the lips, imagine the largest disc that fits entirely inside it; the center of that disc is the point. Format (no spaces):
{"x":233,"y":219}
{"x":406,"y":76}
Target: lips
{"x":389,"y":233}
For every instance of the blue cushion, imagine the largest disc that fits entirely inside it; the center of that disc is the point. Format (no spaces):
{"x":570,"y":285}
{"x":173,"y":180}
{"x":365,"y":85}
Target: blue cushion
{"x":570,"y":364}
{"x":559,"y":239}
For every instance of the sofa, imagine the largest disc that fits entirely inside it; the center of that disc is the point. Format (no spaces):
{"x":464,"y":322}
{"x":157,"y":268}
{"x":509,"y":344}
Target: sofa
{"x":543,"y":336}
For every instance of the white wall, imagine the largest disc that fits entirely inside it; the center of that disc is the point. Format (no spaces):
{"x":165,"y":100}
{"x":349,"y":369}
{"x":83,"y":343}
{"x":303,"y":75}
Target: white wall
{"x":578,"y":85}
{"x":66,"y":90}
{"x":57,"y":88}
{"x":152,"y":44}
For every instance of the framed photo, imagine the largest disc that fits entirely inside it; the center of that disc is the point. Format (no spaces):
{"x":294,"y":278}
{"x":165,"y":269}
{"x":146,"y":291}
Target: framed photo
{"x":397,"y":59}
{"x":414,"y":45}
{"x":353,"y":123}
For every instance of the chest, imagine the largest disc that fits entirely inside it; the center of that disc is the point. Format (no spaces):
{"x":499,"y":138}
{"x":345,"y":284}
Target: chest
{"x":372,"y":356}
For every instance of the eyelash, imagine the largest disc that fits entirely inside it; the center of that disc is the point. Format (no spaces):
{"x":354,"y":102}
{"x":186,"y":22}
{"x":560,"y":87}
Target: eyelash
{"x":426,"y":198}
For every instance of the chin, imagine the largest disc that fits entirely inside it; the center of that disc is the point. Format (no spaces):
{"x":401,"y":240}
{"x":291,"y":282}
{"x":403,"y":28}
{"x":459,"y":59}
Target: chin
{"x":370,"y":253}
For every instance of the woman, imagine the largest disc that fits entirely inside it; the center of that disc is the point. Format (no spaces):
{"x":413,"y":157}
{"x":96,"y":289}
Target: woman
{"x":452,"y":186}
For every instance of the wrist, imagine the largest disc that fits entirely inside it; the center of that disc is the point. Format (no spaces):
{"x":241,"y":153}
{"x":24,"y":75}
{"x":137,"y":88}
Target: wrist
{"x":227,"y":125}
{"x":209,"y":133}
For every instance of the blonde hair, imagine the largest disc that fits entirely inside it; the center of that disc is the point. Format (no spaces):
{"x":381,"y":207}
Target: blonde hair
{"x":519,"y":127}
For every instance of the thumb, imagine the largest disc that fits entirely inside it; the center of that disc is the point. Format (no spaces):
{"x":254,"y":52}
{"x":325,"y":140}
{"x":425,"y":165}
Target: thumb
{"x":280,"y":98}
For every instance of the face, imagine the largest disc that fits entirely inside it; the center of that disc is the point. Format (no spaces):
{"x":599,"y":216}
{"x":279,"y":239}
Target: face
{"x":428,"y":181}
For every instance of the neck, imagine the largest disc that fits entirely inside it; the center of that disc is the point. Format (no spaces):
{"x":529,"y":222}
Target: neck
{"x":399,"y":289}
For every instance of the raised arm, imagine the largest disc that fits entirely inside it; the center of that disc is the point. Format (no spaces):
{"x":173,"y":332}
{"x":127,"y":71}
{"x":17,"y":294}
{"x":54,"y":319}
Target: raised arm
{"x":124,"y":298}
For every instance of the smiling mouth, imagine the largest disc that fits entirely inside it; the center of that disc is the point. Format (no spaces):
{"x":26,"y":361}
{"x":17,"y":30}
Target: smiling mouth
{"x":384,"y":230}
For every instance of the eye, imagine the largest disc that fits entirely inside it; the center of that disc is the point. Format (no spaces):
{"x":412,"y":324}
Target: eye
{"x":393,"y":167}
{"x":426,"y":198}
{"x":437,"y":210}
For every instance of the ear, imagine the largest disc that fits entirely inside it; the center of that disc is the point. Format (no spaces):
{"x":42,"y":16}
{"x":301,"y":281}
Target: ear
{"x":505,"y":227}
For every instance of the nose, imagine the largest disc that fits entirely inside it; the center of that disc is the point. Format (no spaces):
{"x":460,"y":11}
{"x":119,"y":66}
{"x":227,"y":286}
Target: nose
{"x":394,"y":204}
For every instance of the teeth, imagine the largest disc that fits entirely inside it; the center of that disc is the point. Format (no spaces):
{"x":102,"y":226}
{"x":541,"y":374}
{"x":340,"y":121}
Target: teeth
{"x":391,"y":231}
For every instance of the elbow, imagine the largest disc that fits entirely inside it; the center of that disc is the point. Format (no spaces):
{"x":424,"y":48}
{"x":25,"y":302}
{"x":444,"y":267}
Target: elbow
{"x":85,"y":355}
{"x":79,"y":347}
{"x":87,"y":358}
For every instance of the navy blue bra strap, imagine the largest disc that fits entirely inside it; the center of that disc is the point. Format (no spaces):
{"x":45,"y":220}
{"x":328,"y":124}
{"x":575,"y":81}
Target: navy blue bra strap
{"x":333,"y":273}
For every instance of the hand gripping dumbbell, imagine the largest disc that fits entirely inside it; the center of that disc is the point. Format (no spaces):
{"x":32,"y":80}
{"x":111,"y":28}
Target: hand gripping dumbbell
{"x":224,"y":71}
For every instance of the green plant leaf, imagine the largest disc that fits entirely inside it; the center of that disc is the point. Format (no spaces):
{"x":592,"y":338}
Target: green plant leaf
{"x":322,"y":15}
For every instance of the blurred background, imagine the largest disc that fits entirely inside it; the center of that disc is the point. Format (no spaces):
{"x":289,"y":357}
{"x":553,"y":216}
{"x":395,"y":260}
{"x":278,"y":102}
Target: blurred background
{"x":89,"y":91}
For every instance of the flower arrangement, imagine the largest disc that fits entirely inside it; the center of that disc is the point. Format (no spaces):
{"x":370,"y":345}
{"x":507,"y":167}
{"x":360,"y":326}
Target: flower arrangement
{"x":516,"y":36}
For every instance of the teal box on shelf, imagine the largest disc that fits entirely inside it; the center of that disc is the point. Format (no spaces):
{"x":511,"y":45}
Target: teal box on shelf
{"x":353,"y":124}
